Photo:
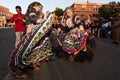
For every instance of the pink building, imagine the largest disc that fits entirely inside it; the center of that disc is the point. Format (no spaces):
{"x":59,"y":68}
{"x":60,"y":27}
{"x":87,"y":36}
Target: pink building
{"x":83,"y":9}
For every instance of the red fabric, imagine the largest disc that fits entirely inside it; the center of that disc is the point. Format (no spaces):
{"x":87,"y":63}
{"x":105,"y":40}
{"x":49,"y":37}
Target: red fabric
{"x":19,"y":24}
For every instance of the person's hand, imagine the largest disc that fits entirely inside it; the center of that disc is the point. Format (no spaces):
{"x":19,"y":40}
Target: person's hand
{"x":15,"y":19}
{"x":19,"y":18}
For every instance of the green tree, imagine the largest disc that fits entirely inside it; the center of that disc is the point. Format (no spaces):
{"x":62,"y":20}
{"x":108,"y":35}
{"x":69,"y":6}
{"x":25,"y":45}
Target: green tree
{"x":58,"y":11}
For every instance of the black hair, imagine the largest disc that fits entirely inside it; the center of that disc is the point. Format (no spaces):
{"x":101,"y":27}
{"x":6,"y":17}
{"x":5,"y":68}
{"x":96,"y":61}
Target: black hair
{"x":18,"y":7}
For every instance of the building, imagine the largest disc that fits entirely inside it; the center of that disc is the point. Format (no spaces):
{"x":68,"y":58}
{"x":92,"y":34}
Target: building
{"x":83,"y":9}
{"x":5,"y":15}
{"x":5,"y":12}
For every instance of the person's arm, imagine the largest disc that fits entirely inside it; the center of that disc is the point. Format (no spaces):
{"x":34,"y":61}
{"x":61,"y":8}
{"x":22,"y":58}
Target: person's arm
{"x":12,"y":19}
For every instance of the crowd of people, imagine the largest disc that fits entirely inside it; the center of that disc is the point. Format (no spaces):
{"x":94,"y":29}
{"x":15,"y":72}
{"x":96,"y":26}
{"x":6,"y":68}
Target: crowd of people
{"x":71,"y":38}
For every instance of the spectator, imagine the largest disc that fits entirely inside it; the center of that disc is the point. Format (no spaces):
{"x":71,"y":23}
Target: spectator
{"x":19,"y":24}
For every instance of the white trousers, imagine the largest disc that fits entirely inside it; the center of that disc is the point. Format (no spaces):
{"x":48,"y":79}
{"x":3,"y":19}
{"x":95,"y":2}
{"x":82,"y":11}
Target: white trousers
{"x":19,"y":36}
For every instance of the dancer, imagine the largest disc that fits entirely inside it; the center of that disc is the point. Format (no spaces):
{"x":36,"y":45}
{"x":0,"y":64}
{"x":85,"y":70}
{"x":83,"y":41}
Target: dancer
{"x":71,"y":32}
{"x":16,"y":64}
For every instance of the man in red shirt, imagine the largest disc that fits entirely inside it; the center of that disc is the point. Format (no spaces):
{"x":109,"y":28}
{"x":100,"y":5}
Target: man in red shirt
{"x":19,"y":24}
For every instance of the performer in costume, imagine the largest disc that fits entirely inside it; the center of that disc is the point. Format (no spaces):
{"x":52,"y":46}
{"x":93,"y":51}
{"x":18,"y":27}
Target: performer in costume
{"x":80,"y":35}
{"x":74,"y":33}
{"x":17,"y":65}
{"x":33,"y":17}
{"x":68,"y":32}
{"x":75,"y":37}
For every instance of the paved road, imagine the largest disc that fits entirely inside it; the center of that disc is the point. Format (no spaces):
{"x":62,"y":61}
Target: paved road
{"x":7,"y":39}
{"x":105,"y":65}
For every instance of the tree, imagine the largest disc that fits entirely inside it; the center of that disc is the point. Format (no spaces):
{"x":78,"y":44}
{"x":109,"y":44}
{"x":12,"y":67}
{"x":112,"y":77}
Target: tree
{"x":58,"y":11}
{"x":110,"y":10}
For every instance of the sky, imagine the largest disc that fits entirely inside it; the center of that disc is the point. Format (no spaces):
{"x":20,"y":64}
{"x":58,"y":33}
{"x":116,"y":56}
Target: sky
{"x":47,"y":4}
